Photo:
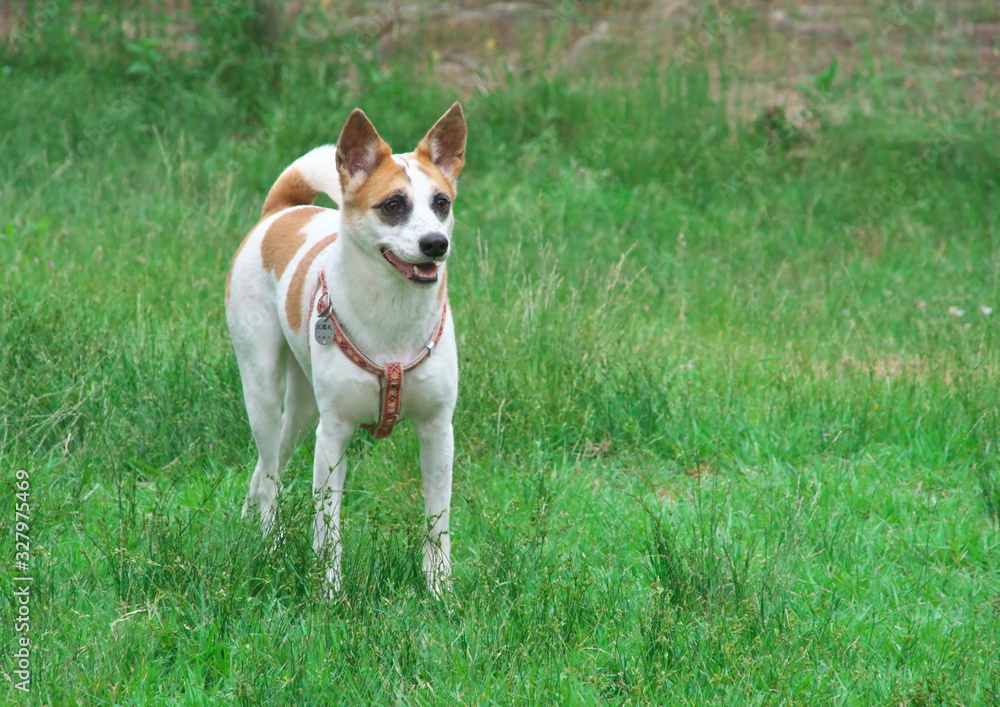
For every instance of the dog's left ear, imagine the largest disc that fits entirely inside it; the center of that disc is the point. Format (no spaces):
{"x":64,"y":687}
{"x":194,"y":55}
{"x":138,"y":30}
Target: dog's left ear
{"x":444,"y":144}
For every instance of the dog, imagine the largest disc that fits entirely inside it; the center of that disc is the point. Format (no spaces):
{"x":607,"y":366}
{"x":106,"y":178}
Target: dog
{"x":342,"y":317}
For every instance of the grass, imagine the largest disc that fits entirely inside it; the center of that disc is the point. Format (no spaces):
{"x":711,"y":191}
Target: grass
{"x":723,"y":435}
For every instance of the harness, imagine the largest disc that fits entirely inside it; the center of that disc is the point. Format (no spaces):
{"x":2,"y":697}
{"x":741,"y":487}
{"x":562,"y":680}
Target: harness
{"x":390,"y":376}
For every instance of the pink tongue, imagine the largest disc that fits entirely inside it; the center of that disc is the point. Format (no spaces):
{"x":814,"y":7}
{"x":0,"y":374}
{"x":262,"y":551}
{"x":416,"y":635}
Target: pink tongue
{"x":426,"y":268}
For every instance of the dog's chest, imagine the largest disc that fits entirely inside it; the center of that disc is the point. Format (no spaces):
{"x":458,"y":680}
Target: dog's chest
{"x":352,"y":394}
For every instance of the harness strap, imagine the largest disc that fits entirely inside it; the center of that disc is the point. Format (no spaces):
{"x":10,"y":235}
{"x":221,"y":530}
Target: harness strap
{"x":390,"y":392}
{"x":390,"y":376}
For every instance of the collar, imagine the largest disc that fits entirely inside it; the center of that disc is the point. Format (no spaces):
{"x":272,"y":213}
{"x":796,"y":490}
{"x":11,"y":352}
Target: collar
{"x":390,"y":375}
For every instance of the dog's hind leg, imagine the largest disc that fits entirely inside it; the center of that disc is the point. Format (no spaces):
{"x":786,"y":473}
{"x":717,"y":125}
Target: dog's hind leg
{"x":298,"y":416}
{"x":277,"y":433}
{"x":300,"y":413}
{"x":263,"y":356}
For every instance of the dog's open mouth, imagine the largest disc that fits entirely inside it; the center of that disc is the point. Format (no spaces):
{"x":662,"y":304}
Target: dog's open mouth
{"x":421,"y":273}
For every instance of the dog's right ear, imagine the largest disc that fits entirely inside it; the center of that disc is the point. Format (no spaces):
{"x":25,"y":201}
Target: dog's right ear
{"x":360,"y":150}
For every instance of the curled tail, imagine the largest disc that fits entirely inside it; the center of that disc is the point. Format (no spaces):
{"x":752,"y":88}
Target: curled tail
{"x":313,"y":173}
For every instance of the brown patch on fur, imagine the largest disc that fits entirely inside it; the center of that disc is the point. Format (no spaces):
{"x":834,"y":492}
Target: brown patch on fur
{"x":385,"y":180}
{"x":284,"y":237}
{"x":291,"y":189}
{"x":437,"y":177}
{"x":293,"y":300}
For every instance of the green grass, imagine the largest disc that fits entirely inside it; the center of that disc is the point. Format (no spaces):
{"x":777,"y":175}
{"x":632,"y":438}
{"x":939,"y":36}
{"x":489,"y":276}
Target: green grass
{"x":719,"y":438}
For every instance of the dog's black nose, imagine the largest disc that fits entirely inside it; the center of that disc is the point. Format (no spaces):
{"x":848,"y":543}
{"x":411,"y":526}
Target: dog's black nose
{"x":434,"y":245}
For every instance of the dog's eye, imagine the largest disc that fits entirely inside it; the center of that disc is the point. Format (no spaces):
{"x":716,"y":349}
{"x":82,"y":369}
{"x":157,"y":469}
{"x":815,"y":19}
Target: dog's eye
{"x":392,"y":206}
{"x":441,"y":204}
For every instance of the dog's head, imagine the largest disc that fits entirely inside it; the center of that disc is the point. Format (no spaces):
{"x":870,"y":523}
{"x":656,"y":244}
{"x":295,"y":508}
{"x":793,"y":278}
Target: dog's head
{"x":399,"y":207}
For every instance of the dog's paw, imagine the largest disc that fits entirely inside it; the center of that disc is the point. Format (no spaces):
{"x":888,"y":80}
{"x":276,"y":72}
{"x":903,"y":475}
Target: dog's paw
{"x":439,"y":583}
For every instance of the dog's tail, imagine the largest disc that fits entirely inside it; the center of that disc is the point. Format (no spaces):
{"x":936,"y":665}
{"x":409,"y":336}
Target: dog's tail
{"x":313,"y":173}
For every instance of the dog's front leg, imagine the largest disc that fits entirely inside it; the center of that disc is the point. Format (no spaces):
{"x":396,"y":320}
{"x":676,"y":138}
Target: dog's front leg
{"x":329,"y":472}
{"x":437,"y":449}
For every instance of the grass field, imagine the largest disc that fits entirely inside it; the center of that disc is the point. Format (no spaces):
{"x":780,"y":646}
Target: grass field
{"x":728,"y":424}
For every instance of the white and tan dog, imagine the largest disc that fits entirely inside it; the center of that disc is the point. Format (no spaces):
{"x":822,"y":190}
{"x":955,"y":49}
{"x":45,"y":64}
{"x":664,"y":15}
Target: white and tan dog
{"x":342,"y":317}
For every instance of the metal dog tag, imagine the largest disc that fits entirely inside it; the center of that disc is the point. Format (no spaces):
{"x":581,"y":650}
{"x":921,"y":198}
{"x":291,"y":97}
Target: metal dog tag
{"x":324,"y":332}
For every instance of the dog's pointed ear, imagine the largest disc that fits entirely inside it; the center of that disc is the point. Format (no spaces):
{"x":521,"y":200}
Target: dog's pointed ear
{"x":444,"y":144}
{"x":360,"y":150}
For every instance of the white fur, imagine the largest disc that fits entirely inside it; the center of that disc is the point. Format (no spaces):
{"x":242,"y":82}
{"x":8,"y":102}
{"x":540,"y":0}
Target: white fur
{"x":319,"y":168}
{"x":290,"y":383}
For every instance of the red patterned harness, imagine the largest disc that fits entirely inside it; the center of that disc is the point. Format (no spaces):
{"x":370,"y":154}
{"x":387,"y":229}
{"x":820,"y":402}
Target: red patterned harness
{"x":390,"y":376}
